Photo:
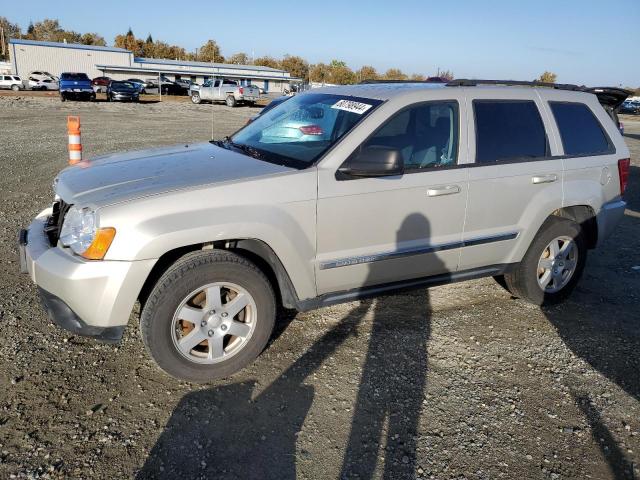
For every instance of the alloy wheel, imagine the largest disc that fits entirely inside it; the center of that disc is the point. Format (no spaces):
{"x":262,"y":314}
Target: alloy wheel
{"x":214,"y":323}
{"x":557,"y":264}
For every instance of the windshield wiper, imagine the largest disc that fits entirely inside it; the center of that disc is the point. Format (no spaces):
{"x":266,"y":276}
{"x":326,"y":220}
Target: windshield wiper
{"x":247,"y":149}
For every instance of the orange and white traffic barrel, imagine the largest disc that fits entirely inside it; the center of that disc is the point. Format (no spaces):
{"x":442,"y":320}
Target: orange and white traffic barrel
{"x":75,"y":144}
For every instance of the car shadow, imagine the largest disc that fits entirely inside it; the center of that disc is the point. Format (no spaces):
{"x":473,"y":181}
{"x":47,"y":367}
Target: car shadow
{"x":232,"y":432}
{"x":635,"y":136}
{"x":600,"y":323}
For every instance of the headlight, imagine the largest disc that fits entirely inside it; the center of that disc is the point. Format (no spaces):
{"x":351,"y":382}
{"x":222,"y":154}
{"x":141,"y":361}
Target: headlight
{"x":80,"y":233}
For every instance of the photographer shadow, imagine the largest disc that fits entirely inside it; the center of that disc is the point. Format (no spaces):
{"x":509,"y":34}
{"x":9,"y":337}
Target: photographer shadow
{"x":230,"y":432}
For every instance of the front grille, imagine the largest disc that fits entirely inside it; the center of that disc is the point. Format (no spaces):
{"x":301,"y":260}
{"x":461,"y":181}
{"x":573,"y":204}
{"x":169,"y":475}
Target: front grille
{"x":54,"y":222}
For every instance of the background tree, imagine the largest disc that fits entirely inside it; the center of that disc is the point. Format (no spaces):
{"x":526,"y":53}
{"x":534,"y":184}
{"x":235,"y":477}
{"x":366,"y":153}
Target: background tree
{"x":267,"y":61}
{"x":340,"y":73}
{"x":418,"y":77}
{"x":210,"y":52}
{"x":239,"y":58}
{"x":49,"y":30}
{"x":148,"y":47}
{"x":394,"y":74}
{"x":319,"y":73}
{"x":367,"y":72}
{"x":92,"y":39}
{"x":8,"y":30}
{"x":548,"y":77}
{"x":296,"y":66}
{"x":446,"y":75}
{"x":130,"y":42}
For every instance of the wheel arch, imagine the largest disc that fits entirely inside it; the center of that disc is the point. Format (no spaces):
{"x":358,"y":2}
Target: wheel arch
{"x":585,"y":216}
{"x":257,"y":251}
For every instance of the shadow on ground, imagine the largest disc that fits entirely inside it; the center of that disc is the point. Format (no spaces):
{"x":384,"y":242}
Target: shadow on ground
{"x":230,"y":432}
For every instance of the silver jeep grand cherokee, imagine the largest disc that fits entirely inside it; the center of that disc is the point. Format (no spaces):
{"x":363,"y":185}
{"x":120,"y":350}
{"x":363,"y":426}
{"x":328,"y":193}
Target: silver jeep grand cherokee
{"x":337,"y":194}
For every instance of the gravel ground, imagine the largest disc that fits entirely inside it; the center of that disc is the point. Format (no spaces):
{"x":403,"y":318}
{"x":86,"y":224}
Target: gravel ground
{"x":459,"y":381}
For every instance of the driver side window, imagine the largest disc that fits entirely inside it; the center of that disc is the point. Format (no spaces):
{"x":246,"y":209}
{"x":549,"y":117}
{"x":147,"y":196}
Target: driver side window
{"x":426,"y":135}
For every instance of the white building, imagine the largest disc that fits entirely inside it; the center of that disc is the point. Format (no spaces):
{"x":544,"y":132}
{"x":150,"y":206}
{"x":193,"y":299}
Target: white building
{"x":29,"y":55}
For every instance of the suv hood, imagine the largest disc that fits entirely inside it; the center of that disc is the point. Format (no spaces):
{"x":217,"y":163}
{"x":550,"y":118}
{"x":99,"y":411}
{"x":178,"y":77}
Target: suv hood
{"x":125,"y":176}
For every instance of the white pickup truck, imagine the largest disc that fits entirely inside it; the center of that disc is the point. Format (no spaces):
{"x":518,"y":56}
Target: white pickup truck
{"x":227,"y":91}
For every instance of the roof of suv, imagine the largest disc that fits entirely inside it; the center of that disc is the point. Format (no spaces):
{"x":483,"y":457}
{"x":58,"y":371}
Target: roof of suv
{"x":385,"y":91}
{"x":378,"y":91}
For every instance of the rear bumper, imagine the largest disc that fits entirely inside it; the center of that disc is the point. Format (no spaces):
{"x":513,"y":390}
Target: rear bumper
{"x":608,"y":217}
{"x":92,"y":298}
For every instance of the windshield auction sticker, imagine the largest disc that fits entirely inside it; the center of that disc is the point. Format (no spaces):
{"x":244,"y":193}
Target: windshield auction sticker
{"x":351,"y":106}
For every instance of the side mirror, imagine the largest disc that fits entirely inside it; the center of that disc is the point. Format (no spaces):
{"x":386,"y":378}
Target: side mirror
{"x":374,"y":161}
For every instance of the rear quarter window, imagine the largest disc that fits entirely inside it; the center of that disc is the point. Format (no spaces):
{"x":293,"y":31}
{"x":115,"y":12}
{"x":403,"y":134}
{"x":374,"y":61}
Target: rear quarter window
{"x":508,"y":130}
{"x":580,"y":130}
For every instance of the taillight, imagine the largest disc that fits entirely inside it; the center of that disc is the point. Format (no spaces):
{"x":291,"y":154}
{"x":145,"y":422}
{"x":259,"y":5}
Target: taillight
{"x":241,"y":90}
{"x":311,"y":130}
{"x":623,"y":171}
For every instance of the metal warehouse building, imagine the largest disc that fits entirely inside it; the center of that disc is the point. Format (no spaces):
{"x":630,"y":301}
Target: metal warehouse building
{"x":29,"y":55}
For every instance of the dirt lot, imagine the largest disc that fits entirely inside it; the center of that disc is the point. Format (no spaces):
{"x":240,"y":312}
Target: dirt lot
{"x":460,"y":381}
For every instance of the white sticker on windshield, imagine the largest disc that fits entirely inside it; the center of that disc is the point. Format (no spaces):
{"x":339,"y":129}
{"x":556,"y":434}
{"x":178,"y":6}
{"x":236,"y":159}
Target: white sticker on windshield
{"x":351,"y":106}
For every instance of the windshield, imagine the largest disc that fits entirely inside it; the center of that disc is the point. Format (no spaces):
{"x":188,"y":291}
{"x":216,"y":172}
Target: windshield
{"x":300,"y":130}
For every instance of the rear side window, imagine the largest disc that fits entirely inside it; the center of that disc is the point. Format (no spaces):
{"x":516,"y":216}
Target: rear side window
{"x":74,"y":76}
{"x":580,"y":131}
{"x":508,"y":130}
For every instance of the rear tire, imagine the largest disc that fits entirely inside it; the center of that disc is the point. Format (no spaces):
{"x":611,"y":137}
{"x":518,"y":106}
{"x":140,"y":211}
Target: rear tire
{"x":15,"y":88}
{"x":552,"y":266}
{"x":230,"y":101}
{"x":185,"y":290}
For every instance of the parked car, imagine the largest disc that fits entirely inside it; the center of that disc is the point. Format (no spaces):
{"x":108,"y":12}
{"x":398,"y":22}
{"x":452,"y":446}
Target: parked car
{"x":41,"y":75}
{"x":122,"y":91}
{"x":630,"y":107}
{"x":14,"y":82}
{"x":183,"y":82}
{"x":227,"y":91}
{"x":76,"y":86}
{"x":100,"y":84}
{"x":140,"y":84}
{"x":260,"y":89}
{"x":46,"y":84}
{"x":382,"y":189}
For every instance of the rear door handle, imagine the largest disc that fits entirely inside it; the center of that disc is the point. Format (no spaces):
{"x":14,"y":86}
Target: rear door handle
{"x":544,"y":178}
{"x":443,"y":190}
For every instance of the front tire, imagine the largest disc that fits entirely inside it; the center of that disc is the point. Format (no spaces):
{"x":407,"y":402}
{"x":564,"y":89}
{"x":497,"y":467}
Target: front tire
{"x":553,"y":264}
{"x":195,"y":98}
{"x":209,"y":315}
{"x":230,"y":101}
{"x":63,"y":98}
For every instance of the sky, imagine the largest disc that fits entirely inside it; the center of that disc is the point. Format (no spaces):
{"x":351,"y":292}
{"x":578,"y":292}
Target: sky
{"x":586,"y":42}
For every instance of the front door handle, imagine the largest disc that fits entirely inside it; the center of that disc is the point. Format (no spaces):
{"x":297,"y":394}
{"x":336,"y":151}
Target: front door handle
{"x":443,"y":190}
{"x":544,"y":178}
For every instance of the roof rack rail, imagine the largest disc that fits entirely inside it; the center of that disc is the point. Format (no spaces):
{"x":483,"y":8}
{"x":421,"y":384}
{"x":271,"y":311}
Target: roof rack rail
{"x":464,"y":82}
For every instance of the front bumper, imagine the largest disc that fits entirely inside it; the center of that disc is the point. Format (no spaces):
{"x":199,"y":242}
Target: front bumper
{"x":93,"y":298}
{"x":608,"y":217}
